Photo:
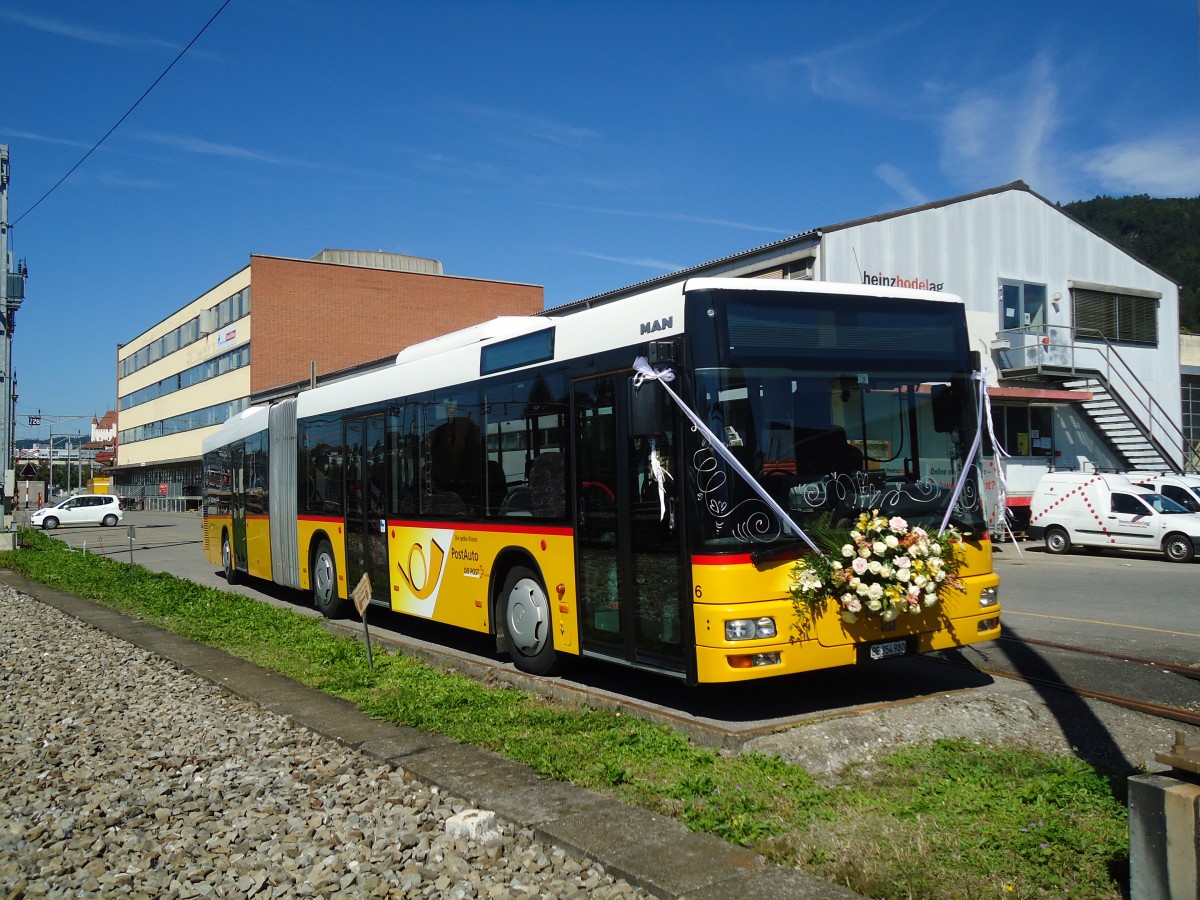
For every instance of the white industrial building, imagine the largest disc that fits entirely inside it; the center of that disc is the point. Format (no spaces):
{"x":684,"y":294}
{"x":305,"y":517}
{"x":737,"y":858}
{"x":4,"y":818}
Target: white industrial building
{"x":1080,"y":339}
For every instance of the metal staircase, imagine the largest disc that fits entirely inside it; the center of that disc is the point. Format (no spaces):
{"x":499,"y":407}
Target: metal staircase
{"x":1114,"y":420}
{"x":1122,"y":408}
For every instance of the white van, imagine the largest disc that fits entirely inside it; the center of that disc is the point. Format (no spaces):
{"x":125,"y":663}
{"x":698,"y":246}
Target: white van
{"x":1096,"y":511}
{"x":1183,"y":489}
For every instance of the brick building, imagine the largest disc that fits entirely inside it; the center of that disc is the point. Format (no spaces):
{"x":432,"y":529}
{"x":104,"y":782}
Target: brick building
{"x":267,"y":330}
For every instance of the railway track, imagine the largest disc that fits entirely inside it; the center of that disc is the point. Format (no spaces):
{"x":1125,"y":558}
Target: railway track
{"x":1173,"y":713}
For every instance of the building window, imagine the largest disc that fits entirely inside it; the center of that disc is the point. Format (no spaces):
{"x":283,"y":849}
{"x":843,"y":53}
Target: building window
{"x":199,"y":418}
{"x":1123,"y":318}
{"x":1025,"y":430}
{"x":228,"y":310}
{"x":1022,"y":306}
{"x":801,"y":269}
{"x":226,"y":362}
{"x":1191,"y":420}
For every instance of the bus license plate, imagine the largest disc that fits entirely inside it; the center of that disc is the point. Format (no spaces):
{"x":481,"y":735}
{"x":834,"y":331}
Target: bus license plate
{"x":887,"y":649}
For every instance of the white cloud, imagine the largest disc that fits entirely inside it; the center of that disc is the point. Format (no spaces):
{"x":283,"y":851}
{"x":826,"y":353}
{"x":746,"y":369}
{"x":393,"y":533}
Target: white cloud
{"x":1007,"y":130}
{"x":678,"y":217}
{"x":199,"y":145}
{"x":10,"y":134}
{"x":535,"y":127}
{"x":898,"y":182}
{"x":642,"y":262}
{"x":87,"y":35}
{"x":1166,"y":166}
{"x":837,"y":72}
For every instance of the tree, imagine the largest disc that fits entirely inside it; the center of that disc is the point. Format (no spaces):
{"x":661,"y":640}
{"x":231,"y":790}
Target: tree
{"x":1163,"y":233}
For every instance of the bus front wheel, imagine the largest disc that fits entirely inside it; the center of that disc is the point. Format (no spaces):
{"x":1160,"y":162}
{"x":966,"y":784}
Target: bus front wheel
{"x":324,"y":583}
{"x":525,"y":611}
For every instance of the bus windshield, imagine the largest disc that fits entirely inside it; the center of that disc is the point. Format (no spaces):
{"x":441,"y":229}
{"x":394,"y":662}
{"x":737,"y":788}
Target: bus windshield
{"x":836,"y":405}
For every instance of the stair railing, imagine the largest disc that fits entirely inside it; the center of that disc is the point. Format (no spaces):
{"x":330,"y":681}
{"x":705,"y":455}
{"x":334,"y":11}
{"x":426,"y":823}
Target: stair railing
{"x":1053,"y":349}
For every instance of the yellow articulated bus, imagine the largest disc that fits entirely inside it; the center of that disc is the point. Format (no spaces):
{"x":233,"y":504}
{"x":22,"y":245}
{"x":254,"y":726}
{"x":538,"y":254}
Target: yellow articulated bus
{"x":634,"y":481}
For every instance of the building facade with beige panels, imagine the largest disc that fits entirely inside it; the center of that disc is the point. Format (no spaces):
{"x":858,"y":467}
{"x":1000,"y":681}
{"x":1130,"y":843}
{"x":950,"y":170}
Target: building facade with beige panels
{"x":260,"y":334}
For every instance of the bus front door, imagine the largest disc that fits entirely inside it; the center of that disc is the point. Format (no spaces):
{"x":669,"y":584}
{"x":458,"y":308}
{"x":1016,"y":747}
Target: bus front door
{"x":629,"y":542}
{"x":366,"y":508}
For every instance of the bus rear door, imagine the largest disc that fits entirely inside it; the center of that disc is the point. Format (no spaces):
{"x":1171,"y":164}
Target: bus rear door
{"x":366,"y":507}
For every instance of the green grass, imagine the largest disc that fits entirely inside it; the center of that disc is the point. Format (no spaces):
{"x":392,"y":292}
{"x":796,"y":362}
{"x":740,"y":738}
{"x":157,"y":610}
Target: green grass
{"x":952,"y":819}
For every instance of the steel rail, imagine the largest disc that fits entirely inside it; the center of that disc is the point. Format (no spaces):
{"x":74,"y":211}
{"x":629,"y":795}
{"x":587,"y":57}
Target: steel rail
{"x":1171,"y":713}
{"x":1176,"y":668}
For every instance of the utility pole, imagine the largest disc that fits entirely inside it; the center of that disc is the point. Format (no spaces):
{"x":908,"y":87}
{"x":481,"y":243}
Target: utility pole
{"x":12,"y":292}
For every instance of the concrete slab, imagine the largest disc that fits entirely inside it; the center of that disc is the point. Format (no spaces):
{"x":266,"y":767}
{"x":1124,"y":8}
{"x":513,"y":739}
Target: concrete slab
{"x":655,"y":852}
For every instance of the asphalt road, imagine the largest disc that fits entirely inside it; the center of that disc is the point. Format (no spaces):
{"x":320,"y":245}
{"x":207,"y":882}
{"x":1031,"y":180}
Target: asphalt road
{"x":1136,"y":605}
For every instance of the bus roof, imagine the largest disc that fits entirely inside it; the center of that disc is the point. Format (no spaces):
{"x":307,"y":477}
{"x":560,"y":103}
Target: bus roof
{"x":816,"y":287}
{"x":454,"y":358}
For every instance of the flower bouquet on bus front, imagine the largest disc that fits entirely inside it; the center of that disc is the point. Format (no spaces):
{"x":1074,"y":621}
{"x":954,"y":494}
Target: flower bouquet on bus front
{"x":883,"y":567}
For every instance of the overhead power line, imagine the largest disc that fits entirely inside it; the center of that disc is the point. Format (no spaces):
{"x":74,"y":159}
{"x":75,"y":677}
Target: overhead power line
{"x":145,"y":94}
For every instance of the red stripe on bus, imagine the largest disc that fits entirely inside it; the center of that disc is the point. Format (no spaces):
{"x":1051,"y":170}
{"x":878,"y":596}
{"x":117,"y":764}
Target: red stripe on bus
{"x":459,"y":526}
{"x":732,"y":559}
{"x":480,"y":526}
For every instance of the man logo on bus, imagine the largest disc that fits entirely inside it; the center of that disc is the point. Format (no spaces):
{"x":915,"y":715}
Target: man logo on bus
{"x":418,"y":568}
{"x":658,"y":325}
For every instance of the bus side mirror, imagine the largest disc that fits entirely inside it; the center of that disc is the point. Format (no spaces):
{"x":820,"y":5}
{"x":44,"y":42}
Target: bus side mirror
{"x":647,"y":410}
{"x":944,"y":409}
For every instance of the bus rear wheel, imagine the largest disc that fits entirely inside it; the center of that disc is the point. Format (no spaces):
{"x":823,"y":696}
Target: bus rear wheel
{"x":231,"y":572}
{"x":324,"y":583}
{"x":527,"y":621}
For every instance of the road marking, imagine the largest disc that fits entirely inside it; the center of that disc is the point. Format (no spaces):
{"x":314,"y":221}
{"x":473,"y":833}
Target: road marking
{"x":1009,"y":612}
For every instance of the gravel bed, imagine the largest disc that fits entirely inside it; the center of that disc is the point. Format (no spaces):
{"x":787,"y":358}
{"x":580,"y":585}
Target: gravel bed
{"x":121,"y":775}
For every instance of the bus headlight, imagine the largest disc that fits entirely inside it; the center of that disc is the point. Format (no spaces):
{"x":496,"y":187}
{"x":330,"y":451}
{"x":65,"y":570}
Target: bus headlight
{"x":989,"y":596}
{"x":749,"y":629}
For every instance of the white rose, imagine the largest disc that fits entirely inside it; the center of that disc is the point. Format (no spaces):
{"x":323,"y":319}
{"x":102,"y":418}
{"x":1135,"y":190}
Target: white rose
{"x":879,"y":548}
{"x":874,"y":605}
{"x":875,"y":592}
{"x":903,"y":575}
{"x":848,"y":550}
{"x":892,"y":541}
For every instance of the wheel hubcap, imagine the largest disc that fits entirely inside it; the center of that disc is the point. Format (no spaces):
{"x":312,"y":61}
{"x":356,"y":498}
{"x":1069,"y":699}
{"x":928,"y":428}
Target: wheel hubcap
{"x":528,"y":617}
{"x":324,"y":576}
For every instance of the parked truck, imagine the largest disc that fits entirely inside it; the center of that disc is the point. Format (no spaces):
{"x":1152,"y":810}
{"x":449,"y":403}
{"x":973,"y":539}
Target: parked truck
{"x":1101,"y":511}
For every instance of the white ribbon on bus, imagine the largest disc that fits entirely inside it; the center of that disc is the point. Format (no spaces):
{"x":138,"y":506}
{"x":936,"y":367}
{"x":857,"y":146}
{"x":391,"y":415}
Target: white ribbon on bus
{"x":647,"y":373}
{"x":983,"y":409}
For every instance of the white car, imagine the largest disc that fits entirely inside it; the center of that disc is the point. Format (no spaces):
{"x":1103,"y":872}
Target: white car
{"x":82,"y":509}
{"x":1089,"y":509}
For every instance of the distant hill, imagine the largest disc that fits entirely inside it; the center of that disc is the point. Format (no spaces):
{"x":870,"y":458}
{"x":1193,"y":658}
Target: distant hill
{"x":1162,"y":233}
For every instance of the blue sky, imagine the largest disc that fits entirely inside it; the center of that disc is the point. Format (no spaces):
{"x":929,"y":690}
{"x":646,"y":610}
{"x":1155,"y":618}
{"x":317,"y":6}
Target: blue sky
{"x":578,"y":146}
